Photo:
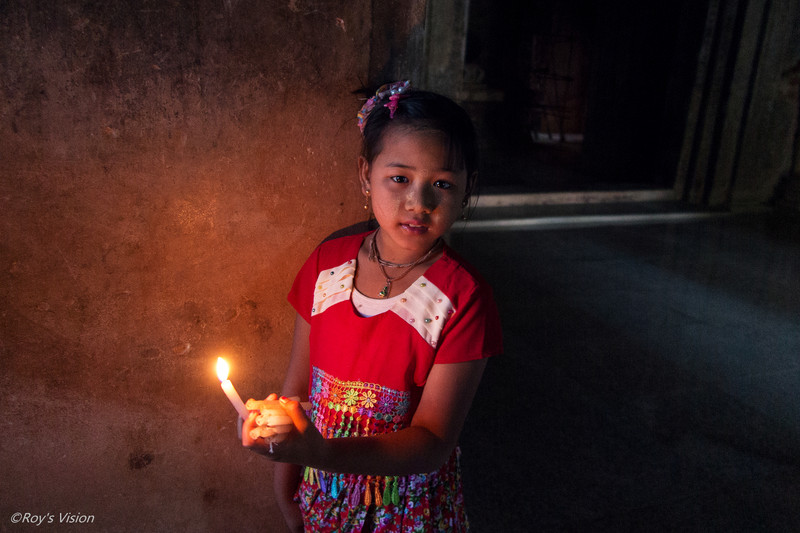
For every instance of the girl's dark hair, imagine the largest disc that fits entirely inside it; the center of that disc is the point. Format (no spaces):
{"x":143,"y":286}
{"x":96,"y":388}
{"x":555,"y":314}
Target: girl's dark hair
{"x":424,"y":111}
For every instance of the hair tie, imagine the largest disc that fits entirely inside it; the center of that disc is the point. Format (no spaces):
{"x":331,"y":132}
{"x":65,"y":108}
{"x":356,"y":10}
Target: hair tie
{"x":394,"y":91}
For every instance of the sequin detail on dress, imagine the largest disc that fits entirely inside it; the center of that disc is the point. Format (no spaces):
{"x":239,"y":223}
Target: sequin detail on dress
{"x":399,"y":503}
{"x":333,"y":286}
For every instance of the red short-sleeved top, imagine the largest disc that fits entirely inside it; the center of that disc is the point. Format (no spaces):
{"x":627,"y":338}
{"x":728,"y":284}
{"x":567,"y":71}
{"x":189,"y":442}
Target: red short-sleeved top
{"x":367,"y":375}
{"x":448,"y":315}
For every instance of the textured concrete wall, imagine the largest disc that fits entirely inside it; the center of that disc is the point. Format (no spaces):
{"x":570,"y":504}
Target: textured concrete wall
{"x":165,"y":167}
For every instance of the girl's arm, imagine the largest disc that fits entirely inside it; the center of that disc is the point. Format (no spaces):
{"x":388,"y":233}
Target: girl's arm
{"x":286,"y":476}
{"x":296,"y":381}
{"x":422,"y":447}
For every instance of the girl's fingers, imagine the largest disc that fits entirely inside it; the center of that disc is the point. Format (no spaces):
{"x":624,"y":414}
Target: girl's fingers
{"x":296,"y":413}
{"x":247,"y":427}
{"x":271,"y":421}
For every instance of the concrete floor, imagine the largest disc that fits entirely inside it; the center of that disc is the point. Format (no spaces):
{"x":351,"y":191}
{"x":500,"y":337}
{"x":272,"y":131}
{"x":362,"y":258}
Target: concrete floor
{"x":650,"y":382}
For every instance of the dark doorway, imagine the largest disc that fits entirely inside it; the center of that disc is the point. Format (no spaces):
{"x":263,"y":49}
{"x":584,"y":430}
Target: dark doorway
{"x":581,"y":95}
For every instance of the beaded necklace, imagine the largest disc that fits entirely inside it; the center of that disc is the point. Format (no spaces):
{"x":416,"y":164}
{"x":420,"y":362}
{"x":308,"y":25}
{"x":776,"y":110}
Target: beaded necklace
{"x":374,"y":255}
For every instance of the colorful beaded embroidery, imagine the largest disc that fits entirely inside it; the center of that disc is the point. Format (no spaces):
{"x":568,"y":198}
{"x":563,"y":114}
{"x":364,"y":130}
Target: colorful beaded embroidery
{"x":352,"y":409}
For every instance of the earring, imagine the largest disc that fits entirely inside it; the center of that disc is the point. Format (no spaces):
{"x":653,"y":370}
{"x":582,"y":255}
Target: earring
{"x":366,"y":201}
{"x":464,"y":204}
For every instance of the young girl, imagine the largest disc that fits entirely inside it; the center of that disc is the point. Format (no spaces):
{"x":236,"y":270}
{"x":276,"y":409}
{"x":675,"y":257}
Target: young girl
{"x":391,"y":337}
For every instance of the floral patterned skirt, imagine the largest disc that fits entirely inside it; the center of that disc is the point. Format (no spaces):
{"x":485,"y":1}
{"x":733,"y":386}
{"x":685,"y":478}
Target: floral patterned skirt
{"x":417,"y":503}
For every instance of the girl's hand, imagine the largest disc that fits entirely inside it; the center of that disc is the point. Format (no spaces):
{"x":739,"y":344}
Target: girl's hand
{"x":258,"y":445}
{"x":303,"y":445}
{"x":250,"y":423}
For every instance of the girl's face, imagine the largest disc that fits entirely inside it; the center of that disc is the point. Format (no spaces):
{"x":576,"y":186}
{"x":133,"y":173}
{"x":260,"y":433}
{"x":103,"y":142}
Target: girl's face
{"x":414,"y":197}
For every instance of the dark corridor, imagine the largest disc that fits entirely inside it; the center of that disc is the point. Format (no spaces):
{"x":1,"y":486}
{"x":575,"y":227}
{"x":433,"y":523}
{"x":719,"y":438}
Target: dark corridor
{"x":578,"y":95}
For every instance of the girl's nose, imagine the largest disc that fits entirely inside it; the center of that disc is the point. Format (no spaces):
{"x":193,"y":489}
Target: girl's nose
{"x":422,"y":199}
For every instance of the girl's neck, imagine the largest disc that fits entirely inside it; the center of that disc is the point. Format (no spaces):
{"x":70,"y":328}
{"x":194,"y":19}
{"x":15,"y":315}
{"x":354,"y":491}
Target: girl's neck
{"x":379,"y":282}
{"x":394,"y":258}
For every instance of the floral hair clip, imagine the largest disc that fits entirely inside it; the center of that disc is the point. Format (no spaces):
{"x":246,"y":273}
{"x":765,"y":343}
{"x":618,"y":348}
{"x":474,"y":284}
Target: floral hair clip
{"x":392,"y":105}
{"x":394,"y":91}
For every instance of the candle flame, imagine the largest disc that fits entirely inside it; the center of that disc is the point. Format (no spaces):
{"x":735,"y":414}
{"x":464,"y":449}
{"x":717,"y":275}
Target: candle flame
{"x":222,"y":369}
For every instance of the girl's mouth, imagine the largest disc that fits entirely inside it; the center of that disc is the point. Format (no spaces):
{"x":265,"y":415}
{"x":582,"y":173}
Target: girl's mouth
{"x":416,"y":229}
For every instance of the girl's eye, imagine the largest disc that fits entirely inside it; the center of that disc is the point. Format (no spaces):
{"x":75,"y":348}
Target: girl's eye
{"x":443,"y":184}
{"x":399,"y":179}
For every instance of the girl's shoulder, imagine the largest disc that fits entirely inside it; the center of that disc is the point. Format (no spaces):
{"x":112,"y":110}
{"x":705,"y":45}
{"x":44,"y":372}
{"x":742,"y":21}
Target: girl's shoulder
{"x":334,"y":252}
{"x":453,"y":261}
{"x":454,"y":274}
{"x":359,"y":228}
{"x":341,"y":245}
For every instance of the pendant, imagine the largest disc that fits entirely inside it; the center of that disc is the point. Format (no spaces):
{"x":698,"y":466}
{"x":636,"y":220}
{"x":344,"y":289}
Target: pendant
{"x":385,"y":291}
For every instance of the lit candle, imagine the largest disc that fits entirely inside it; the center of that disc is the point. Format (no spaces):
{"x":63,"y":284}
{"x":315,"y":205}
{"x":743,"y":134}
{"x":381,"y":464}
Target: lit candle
{"x":227,"y":387}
